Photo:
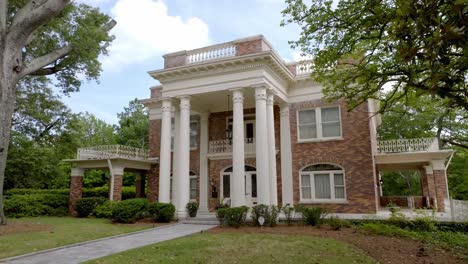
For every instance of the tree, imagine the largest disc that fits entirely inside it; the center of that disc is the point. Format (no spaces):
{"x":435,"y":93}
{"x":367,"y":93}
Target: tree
{"x":133,"y":125}
{"x":42,"y":38}
{"x":361,"y":47}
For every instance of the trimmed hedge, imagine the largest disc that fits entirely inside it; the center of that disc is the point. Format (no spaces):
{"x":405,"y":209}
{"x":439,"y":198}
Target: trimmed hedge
{"x":36,"y":205}
{"x":128,"y":192}
{"x":235,"y":216}
{"x":129,"y":211}
{"x":104,"y":210}
{"x":87,"y":206}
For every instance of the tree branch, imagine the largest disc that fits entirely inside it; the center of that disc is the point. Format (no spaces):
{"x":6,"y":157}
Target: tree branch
{"x":3,"y":16}
{"x":40,"y":62}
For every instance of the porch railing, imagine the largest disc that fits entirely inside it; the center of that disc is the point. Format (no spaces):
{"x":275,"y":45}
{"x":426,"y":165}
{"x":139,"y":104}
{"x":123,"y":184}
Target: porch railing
{"x":225,"y":146}
{"x":304,"y":67}
{"x":112,"y":151}
{"x":407,"y":145}
{"x":211,"y":53}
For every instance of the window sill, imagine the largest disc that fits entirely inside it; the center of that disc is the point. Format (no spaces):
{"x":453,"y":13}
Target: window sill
{"x":319,"y":140}
{"x":323,"y":202}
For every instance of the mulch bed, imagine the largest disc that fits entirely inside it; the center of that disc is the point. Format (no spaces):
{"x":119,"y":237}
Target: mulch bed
{"x":21,"y":227}
{"x":383,"y":249}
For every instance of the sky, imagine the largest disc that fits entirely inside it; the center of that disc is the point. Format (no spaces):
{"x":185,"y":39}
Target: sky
{"x":148,"y":29}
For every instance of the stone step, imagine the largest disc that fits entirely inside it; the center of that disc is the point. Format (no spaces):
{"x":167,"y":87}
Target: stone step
{"x":201,"y":221}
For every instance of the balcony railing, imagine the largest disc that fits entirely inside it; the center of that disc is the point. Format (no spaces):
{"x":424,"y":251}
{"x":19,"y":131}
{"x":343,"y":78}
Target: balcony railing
{"x":225,"y":146}
{"x":304,"y":67}
{"x":407,"y":145}
{"x":211,"y":53}
{"x":112,"y":151}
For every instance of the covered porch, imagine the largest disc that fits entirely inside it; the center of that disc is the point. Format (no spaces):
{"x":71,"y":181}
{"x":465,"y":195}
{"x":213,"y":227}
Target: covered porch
{"x":116,"y":159}
{"x":423,"y":157}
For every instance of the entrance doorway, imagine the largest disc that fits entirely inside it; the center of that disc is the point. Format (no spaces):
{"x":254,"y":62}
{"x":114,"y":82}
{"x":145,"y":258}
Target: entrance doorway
{"x":250,"y":184}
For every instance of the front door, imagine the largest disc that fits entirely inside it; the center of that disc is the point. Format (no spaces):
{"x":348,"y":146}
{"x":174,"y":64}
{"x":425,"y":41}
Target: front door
{"x":250,"y":185}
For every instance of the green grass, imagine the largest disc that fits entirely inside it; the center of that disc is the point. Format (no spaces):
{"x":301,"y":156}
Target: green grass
{"x":243,"y":248}
{"x":66,"y":230}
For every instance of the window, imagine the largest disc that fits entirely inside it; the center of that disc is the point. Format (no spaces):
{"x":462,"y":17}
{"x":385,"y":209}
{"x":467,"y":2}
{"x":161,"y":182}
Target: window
{"x":192,"y":183}
{"x":319,"y":123}
{"x":322,"y":182}
{"x":193,"y":134}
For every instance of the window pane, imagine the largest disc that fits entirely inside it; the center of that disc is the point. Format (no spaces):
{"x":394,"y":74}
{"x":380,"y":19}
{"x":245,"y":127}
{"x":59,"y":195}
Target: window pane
{"x":307,"y":131}
{"x":305,"y":180}
{"x":254,"y":185}
{"x":193,"y":134}
{"x":339,"y":193}
{"x":338,"y":179}
{"x":331,"y":129}
{"x":226,"y":186}
{"x":193,"y":183}
{"x":307,"y":117}
{"x":306,"y":193}
{"x":249,"y":130}
{"x":330,"y":114}
{"x":322,"y":186}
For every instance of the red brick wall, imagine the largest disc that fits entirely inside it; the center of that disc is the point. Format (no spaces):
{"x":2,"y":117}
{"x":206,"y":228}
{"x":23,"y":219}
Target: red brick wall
{"x":174,"y":60}
{"x":249,"y":47}
{"x":402,"y":201}
{"x":117,"y":195}
{"x":353,"y":153}
{"x":76,"y":192}
{"x":153,"y":183}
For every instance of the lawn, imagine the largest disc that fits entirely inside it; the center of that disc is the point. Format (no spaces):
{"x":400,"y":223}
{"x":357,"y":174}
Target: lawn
{"x":27,"y":235}
{"x":243,"y":248}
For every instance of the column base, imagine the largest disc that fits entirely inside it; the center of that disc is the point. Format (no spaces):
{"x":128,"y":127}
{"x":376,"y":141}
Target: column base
{"x":181,"y":215}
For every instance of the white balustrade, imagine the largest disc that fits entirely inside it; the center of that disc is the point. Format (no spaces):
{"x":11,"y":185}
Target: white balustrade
{"x":407,"y":145}
{"x":112,"y":151}
{"x":304,"y":67}
{"x":211,"y":53}
{"x":225,"y":146}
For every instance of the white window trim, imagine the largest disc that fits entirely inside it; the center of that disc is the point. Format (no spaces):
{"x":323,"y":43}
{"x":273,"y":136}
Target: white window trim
{"x":312,"y":186}
{"x":318,"y":125}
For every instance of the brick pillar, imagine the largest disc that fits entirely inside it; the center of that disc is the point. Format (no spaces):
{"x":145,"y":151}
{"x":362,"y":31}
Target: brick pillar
{"x":153,"y":184}
{"x":440,"y":184}
{"x":424,"y":182}
{"x":140,"y":186}
{"x":76,"y":188}
{"x":117,"y":194}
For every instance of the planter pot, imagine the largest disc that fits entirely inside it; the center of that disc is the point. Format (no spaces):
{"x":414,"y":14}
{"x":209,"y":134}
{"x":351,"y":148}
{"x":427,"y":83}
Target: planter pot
{"x":193,"y":214}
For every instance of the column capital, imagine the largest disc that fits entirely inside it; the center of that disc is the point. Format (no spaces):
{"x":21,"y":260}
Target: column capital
{"x":166,"y":105}
{"x":270,"y":99}
{"x":204,"y":116}
{"x":118,"y":170}
{"x":284,"y":109}
{"x":438,"y":164}
{"x":260,"y":93}
{"x":428,"y":169}
{"x":184,"y":102}
{"x":238,"y":96}
{"x":77,"y":172}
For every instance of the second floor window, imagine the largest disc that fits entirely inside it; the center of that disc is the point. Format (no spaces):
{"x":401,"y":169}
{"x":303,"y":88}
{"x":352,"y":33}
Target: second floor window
{"x":319,"y":123}
{"x":193,"y":134}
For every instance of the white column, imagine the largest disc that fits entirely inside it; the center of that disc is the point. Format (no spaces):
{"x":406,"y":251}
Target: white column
{"x":272,"y":150}
{"x":203,"y":163}
{"x":286,"y":156}
{"x":238,"y":175}
{"x":165,"y":153}
{"x":261,"y":146}
{"x":184,"y":158}
{"x":175,"y":153}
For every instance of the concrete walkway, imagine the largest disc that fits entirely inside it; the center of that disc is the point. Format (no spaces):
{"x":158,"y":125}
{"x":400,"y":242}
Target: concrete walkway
{"x":80,"y":252}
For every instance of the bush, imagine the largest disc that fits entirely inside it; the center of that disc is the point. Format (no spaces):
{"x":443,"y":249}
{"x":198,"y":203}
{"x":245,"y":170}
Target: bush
{"x":104,"y":210}
{"x":269,"y":214}
{"x":336,"y":223}
{"x":164,"y":212}
{"x":36,"y":204}
{"x":192,"y":208}
{"x":129,"y":211}
{"x":235,"y":216}
{"x":128,"y":192}
{"x":312,"y":216}
{"x":288,"y":212}
{"x":86,"y":206}
{"x":423,"y":222}
{"x":221,"y":212}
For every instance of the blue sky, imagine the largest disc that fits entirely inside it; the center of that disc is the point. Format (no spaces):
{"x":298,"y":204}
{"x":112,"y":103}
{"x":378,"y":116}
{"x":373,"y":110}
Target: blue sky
{"x":148,"y":29}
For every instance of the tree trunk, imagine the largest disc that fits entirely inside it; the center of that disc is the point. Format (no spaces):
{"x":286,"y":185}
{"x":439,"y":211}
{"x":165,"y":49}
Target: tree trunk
{"x":8,"y":80}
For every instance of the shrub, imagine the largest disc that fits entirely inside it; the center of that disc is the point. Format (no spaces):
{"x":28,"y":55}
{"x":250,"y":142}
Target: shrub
{"x":423,"y":222}
{"x":398,"y":219}
{"x":220,"y":213}
{"x":387,"y":230}
{"x":235,"y":216}
{"x":192,"y":208}
{"x":164,"y":212}
{"x":104,"y":210}
{"x":288,"y":212}
{"x":128,"y":211}
{"x":312,"y":216}
{"x":336,"y":223}
{"x":36,"y":204}
{"x":269,"y":214}
{"x":86,"y":206}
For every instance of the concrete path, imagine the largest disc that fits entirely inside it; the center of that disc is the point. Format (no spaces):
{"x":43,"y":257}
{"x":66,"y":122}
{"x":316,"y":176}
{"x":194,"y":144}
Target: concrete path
{"x":80,"y":252}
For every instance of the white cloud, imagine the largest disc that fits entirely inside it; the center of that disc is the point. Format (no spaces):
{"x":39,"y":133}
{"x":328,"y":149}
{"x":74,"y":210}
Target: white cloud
{"x":145,"y":30}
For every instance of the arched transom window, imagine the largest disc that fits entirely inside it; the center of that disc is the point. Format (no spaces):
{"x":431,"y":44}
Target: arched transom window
{"x":322,"y":182}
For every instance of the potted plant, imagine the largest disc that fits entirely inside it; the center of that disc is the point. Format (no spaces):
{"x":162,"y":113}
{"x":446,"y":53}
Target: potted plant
{"x":192,"y":208}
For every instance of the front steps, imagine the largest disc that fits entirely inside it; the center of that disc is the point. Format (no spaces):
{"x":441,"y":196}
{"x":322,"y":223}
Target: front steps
{"x":202,"y":218}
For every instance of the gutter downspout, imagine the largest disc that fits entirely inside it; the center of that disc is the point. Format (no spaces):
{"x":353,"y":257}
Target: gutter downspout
{"x":111,"y":189}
